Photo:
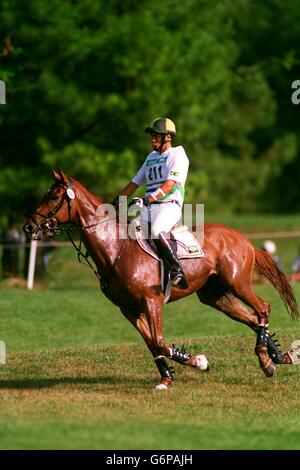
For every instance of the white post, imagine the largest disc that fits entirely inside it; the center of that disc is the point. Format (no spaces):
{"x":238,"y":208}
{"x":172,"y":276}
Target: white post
{"x":2,"y":92}
{"x":2,"y":353}
{"x":31,"y":267}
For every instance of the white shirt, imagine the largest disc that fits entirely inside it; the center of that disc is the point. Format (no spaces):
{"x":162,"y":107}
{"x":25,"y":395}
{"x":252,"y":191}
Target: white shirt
{"x":173,"y":164}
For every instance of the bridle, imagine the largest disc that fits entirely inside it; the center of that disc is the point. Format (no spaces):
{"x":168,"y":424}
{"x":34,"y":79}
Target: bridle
{"x":49,"y":222}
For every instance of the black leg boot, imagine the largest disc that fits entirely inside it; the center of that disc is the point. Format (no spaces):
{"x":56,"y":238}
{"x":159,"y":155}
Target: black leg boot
{"x":168,"y":255}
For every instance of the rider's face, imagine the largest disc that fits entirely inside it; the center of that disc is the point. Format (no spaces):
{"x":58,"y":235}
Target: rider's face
{"x":156,"y":141}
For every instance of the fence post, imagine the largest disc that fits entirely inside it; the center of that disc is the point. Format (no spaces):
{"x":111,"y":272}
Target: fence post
{"x":2,"y":92}
{"x":31,"y":266}
{"x":2,"y":353}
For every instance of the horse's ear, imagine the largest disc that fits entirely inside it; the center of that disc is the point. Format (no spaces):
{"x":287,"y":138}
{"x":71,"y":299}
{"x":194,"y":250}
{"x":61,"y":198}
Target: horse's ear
{"x":56,"y":175}
{"x":59,"y":176}
{"x":64,"y":178}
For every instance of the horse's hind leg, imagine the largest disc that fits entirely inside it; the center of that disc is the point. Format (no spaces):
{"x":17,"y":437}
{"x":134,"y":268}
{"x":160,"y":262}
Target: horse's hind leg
{"x":217,"y":295}
{"x":232,"y":307}
{"x":240,"y":286}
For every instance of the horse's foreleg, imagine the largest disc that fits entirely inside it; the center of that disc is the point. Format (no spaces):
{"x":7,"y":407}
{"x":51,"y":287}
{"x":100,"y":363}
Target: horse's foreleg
{"x":141,"y":323}
{"x":186,"y":359}
{"x":153,"y":317}
{"x":153,"y":311}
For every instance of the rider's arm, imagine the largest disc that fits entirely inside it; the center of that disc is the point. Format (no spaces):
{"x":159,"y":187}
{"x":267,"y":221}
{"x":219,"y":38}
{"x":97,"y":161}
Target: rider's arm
{"x":129,"y":189}
{"x":160,"y":192}
{"x":137,"y":181}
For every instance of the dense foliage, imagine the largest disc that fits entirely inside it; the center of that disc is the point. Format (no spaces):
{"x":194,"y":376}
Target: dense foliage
{"x":84,"y":77}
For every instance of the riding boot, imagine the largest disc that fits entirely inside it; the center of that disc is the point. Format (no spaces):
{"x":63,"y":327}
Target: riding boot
{"x":169,"y":256}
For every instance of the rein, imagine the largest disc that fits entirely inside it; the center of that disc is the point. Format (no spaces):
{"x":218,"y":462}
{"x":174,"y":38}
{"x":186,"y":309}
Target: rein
{"x":85,"y":256}
{"x":80,"y":253}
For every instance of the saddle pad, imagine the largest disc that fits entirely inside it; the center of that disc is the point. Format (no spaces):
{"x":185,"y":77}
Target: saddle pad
{"x":186,"y":244}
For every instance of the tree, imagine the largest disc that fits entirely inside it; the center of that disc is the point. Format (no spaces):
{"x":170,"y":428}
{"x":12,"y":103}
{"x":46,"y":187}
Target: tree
{"x":84,"y":78}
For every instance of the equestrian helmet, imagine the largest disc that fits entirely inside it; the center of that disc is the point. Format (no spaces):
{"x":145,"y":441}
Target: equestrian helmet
{"x":161,"y":126}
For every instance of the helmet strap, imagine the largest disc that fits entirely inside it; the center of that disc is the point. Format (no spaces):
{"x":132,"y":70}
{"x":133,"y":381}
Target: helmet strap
{"x":163,"y":141}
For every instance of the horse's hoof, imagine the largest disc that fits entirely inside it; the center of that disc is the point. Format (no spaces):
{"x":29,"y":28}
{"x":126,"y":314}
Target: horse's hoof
{"x":202,"y":363}
{"x":269,"y":369}
{"x":161,"y":387}
{"x":164,"y":384}
{"x":293,"y":355}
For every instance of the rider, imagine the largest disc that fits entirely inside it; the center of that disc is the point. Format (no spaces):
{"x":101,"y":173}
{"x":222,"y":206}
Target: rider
{"x":164,"y":172}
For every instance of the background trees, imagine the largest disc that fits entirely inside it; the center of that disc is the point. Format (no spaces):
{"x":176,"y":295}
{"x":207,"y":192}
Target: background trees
{"x":84,"y":77}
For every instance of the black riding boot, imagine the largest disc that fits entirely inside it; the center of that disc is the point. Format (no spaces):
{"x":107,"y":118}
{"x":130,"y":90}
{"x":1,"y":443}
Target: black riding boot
{"x":170,"y":258}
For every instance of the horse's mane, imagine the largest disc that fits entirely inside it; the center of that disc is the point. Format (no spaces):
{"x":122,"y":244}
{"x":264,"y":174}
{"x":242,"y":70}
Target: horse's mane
{"x":77,"y":185}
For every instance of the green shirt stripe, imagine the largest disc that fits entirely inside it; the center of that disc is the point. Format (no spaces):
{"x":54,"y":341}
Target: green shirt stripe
{"x":178,"y":187}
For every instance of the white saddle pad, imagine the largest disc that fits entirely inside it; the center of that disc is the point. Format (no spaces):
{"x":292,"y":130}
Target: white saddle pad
{"x":186,"y":243}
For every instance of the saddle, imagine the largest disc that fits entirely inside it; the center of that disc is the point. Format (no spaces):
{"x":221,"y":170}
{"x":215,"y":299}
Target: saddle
{"x":181,"y":237}
{"x":184,"y":243}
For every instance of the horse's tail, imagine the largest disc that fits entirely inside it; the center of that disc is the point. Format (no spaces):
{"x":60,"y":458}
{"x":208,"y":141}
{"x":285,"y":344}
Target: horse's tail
{"x":265,"y":264}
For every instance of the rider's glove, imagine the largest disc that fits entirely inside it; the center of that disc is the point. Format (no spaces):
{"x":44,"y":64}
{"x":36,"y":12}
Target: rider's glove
{"x":140,"y":202}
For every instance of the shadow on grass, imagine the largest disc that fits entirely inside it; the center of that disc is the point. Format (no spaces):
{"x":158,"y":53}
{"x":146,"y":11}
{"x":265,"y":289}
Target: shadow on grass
{"x":51,"y":382}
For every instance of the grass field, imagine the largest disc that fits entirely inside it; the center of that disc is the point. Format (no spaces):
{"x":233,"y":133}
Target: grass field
{"x":78,"y":376}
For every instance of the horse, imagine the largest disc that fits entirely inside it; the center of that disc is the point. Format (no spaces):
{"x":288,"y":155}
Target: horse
{"x":130,"y":278}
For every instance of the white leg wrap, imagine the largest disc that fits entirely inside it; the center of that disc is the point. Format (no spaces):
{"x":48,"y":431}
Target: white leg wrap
{"x":294,"y":352}
{"x":202,"y":362}
{"x":161,"y":387}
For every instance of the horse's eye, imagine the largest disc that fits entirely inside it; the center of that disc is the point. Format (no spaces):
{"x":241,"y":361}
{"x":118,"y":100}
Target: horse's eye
{"x":54,"y":197}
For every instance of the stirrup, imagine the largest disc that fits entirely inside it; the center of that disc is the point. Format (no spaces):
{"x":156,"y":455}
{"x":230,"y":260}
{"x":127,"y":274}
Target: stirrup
{"x":177,"y":279}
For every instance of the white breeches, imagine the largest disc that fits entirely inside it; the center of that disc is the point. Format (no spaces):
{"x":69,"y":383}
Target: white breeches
{"x":162,"y":217}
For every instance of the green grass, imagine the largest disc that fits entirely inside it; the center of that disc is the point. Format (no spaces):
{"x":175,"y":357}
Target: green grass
{"x":103,"y":398}
{"x":78,"y":375}
{"x":79,"y":398}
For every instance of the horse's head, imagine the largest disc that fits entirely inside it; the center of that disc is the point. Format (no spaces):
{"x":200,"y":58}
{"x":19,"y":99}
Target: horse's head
{"x":54,"y":209}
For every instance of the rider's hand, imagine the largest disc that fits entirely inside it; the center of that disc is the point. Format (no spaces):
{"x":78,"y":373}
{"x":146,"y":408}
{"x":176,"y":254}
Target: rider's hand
{"x":139,"y":201}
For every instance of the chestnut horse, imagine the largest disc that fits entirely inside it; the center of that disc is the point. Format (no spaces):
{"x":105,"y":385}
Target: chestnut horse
{"x":130,"y":277}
